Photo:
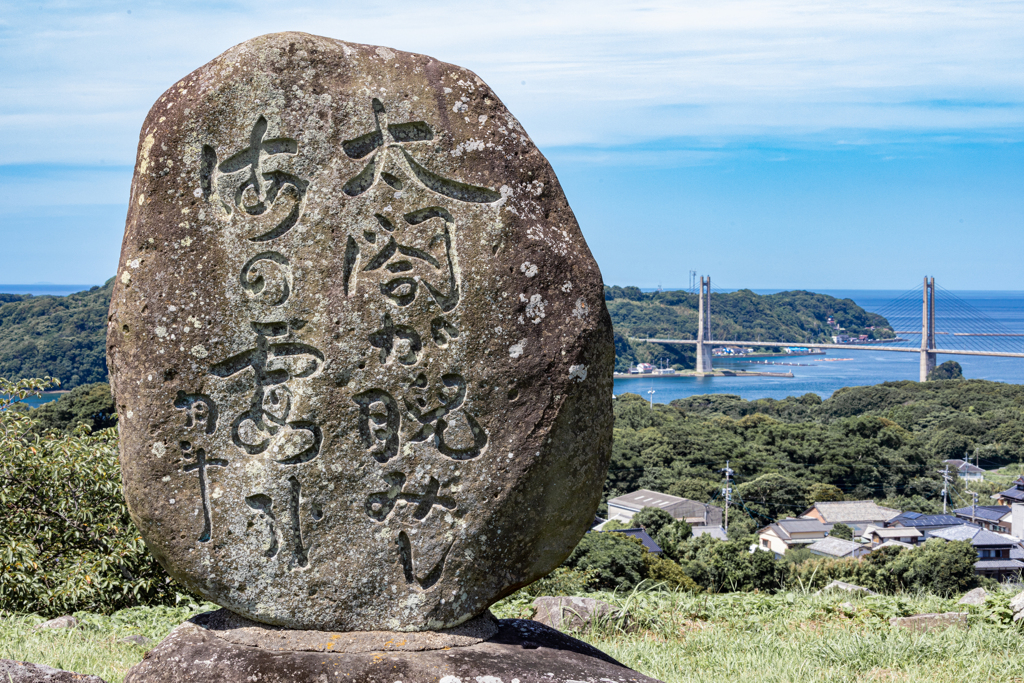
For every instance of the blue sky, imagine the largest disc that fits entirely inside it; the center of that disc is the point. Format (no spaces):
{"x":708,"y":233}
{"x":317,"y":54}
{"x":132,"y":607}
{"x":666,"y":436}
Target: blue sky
{"x":770,"y":144}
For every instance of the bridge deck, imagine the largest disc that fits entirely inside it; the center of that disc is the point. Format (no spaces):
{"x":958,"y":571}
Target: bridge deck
{"x":844,"y":347}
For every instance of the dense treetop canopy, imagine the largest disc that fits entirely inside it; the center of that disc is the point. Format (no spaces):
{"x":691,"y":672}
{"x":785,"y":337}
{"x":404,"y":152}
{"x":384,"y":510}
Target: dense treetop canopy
{"x":55,"y":336}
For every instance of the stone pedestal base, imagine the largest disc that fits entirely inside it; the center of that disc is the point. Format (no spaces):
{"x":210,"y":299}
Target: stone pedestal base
{"x":520,"y":652}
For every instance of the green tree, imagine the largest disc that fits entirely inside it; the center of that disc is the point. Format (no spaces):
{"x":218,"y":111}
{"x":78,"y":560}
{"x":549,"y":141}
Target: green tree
{"x":948,"y":370}
{"x":88,"y":404}
{"x":652,"y":520}
{"x":821,"y":493}
{"x":840,"y":530}
{"x":614,"y":561}
{"x":774,"y":495}
{"x":66,"y":541}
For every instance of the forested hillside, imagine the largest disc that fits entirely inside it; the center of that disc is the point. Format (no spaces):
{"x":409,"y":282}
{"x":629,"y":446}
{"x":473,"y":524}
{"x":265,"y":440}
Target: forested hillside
{"x":55,"y":336}
{"x":884,"y":442}
{"x":64,"y":336}
{"x":786,"y":316}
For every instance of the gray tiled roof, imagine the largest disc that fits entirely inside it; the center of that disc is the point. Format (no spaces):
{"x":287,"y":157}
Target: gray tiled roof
{"x":929,"y":520}
{"x":991,"y":513}
{"x":1013,"y":493}
{"x":976,"y":535}
{"x":963,"y":532}
{"x":854,"y":511}
{"x":999,"y":564}
{"x":802,"y":526}
{"x":837,"y":547}
{"x":964,"y":467}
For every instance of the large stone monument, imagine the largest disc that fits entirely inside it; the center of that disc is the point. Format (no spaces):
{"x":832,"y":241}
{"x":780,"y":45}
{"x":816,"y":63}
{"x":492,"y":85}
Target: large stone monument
{"x":359,"y":347}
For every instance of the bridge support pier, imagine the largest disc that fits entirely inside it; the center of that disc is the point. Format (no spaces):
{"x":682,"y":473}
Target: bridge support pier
{"x":704,"y":366}
{"x":927,"y":365}
{"x":704,"y":329}
{"x":928,"y":330}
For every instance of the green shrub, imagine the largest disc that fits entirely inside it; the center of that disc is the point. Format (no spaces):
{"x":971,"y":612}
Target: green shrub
{"x":840,"y":530}
{"x":667,"y":572}
{"x":67,"y":543}
{"x":666,"y":531}
{"x":562,"y":581}
{"x":616,"y":561}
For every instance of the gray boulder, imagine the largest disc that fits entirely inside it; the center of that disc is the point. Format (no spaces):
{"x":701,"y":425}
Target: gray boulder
{"x":360,"y":348}
{"x":848,"y":587}
{"x":974,"y":597}
{"x":575,"y":614}
{"x":25,"y":672}
{"x":521,"y":650}
{"x":1017,"y":605}
{"x":67,"y":621}
{"x":931,"y":622}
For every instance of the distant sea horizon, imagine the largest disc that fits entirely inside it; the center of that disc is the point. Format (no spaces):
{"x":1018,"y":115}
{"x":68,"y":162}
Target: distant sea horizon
{"x":814,"y":374}
{"x":44,"y":289}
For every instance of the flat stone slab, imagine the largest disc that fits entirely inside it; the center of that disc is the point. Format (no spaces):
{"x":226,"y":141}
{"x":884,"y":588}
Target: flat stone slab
{"x":360,"y":348}
{"x":521,"y":652}
{"x":228,"y":626}
{"x":574,"y":613}
{"x":12,"y":671}
{"x":931,"y":622}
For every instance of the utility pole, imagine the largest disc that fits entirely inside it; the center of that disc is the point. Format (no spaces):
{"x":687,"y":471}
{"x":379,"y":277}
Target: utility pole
{"x":945,"y":487}
{"x":974,"y":506}
{"x":727,"y":492}
{"x":651,"y":394}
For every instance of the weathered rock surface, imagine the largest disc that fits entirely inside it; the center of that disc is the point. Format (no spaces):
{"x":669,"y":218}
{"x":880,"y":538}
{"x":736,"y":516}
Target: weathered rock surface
{"x":574,"y":614}
{"x":359,"y":347}
{"x":1017,"y":605}
{"x":229,"y":626}
{"x":12,"y":671}
{"x":931,"y":622}
{"x":973,"y":597}
{"x":66,"y":621}
{"x":522,"y":650}
{"x":848,"y":587}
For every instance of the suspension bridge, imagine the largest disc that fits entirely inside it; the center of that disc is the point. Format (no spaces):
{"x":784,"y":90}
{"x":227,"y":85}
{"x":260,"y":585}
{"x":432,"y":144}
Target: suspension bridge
{"x":948,"y":325}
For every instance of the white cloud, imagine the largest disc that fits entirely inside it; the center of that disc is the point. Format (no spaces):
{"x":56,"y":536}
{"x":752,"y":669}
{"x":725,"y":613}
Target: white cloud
{"x":78,"y":80}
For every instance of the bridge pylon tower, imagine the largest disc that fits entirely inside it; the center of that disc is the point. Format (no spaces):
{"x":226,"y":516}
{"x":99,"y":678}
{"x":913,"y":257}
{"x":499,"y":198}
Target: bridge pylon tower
{"x":928,"y":329}
{"x":704,"y":328}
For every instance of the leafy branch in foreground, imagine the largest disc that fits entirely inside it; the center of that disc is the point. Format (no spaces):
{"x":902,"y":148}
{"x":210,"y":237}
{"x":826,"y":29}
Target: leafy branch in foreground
{"x":66,"y":540}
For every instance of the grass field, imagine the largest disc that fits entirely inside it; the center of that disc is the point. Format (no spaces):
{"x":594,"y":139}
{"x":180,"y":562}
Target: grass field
{"x":675,"y":637}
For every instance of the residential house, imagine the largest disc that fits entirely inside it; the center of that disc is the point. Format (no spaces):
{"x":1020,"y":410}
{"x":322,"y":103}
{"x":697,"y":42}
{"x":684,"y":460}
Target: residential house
{"x":999,"y":555}
{"x":856,"y":514}
{"x":1014,"y":494}
{"x":992,"y":517}
{"x":966,"y":470}
{"x":925,"y":523}
{"x":694,"y":513}
{"x":838,"y":547}
{"x":878,"y":535}
{"x":788,"y":533}
{"x":640,"y":535}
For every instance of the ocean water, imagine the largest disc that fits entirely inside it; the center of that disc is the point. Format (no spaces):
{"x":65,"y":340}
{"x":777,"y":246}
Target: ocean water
{"x":811,"y":373}
{"x":864,"y":367}
{"x":43,"y":289}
